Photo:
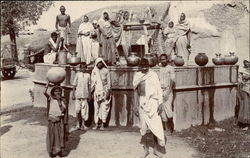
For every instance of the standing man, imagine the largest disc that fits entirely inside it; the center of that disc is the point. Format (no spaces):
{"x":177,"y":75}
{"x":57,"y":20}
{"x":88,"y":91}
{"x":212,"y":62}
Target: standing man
{"x":167,"y":77}
{"x":63,"y":25}
{"x":109,"y":50}
{"x":183,"y":34}
{"x":150,"y":98}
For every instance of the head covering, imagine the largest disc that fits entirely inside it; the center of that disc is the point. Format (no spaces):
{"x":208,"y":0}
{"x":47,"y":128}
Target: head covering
{"x":99,"y":59}
{"x":94,"y":22}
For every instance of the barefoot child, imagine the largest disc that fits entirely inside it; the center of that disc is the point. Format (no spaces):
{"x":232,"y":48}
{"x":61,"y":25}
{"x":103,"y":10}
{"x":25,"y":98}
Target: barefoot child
{"x":56,"y":127}
{"x":81,"y":94}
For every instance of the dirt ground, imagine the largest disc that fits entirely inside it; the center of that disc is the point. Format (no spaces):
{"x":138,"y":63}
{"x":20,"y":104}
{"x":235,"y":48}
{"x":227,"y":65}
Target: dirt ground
{"x":23,"y":135}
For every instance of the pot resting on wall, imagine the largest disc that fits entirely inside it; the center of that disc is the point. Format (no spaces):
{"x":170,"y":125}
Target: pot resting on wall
{"x":74,"y":60}
{"x":201,"y":59}
{"x":234,"y":58}
{"x":218,"y":60}
{"x":152,"y":58}
{"x":133,"y":60}
{"x":179,"y":61}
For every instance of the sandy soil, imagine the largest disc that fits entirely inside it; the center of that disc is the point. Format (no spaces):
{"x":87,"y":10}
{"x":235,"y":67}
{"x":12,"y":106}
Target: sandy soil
{"x":23,"y":135}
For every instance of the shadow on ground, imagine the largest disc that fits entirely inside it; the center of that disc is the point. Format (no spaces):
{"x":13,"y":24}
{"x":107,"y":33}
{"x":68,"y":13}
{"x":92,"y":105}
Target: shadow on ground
{"x":5,"y":129}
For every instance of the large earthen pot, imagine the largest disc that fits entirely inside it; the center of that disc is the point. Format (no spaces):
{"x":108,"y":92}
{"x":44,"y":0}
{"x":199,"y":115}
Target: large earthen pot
{"x":133,"y":60}
{"x":179,"y":61}
{"x":201,"y":59}
{"x":234,"y":58}
{"x":218,"y":60}
{"x":56,"y":75}
{"x":74,"y":60}
{"x":152,"y":59}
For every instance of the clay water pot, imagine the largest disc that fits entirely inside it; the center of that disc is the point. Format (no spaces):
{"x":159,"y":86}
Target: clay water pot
{"x":218,"y":60}
{"x":201,"y":59}
{"x":56,"y":75}
{"x":179,"y":61}
{"x":228,"y":60}
{"x":74,"y":60}
{"x":62,"y":57}
{"x":133,"y":60}
{"x":152,"y":59}
{"x":234,"y":58}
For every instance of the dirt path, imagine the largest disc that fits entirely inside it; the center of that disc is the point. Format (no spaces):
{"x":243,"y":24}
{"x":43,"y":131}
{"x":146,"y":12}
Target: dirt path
{"x":23,"y":136}
{"x":16,"y":91}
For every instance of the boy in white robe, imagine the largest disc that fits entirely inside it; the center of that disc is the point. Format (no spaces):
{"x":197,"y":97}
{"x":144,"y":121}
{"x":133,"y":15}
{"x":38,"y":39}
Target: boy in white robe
{"x":81,"y":95}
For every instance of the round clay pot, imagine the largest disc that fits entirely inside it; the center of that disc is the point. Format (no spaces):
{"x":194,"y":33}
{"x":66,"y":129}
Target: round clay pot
{"x":151,"y":58}
{"x":201,"y":59}
{"x":218,"y":60}
{"x":133,"y":60}
{"x":234,"y":58}
{"x":179,"y":61}
{"x":228,"y":60}
{"x":56,"y":75}
{"x":74,"y":60}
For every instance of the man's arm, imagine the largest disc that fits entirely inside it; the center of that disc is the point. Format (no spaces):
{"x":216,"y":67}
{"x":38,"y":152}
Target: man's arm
{"x":57,"y":21}
{"x":189,"y":38}
{"x":69,"y":21}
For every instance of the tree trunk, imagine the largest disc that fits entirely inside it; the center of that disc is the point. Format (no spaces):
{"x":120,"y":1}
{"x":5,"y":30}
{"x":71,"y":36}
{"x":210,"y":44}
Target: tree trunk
{"x":13,"y":40}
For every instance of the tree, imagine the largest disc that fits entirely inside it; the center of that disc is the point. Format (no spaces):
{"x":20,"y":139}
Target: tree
{"x":16,"y":15}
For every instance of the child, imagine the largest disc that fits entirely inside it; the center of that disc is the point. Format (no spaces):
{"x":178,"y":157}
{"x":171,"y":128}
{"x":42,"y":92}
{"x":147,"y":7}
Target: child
{"x":56,"y":127}
{"x":81,"y":94}
{"x":167,"y":77}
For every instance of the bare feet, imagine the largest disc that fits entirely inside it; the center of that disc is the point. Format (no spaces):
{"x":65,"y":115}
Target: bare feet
{"x":95,"y":127}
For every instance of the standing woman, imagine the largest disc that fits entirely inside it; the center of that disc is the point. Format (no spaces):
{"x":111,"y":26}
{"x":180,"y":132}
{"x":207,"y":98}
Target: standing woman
{"x":84,"y":42}
{"x":101,"y":87}
{"x":109,"y":50}
{"x":150,"y":98}
{"x":183,"y":35}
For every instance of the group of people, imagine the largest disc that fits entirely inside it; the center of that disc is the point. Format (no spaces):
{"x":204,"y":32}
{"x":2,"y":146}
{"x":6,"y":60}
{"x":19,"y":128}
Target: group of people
{"x":96,"y":86}
{"x":178,"y":39}
{"x":154,"y":109}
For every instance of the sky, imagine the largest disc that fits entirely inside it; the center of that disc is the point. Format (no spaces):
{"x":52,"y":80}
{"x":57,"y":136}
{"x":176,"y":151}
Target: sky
{"x":78,"y":8}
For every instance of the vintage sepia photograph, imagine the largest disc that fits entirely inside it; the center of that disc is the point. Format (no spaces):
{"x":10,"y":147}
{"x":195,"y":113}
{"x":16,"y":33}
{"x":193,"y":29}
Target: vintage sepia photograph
{"x":125,"y":79}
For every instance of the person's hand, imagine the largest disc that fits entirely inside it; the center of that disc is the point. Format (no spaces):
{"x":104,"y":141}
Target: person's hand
{"x":61,"y":38}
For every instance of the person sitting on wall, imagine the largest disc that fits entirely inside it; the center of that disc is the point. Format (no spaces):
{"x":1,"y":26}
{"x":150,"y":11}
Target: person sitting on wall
{"x":169,"y":34}
{"x":51,"y":49}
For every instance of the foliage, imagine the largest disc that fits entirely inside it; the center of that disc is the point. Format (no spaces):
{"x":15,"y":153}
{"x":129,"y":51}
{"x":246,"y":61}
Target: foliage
{"x":18,"y":14}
